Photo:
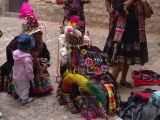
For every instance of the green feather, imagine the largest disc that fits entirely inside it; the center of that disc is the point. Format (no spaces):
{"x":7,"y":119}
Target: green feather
{"x":97,"y":92}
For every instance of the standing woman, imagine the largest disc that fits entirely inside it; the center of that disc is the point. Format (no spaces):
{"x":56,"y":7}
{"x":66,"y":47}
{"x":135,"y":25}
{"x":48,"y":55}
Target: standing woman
{"x":126,"y":43}
{"x":73,"y":8}
{"x":41,"y":85}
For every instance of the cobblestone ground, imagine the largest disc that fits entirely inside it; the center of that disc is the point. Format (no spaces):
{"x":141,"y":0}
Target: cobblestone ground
{"x":47,"y":107}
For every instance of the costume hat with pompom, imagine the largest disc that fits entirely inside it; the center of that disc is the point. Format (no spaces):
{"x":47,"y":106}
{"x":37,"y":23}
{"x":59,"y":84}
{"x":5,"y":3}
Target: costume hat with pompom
{"x":31,"y":25}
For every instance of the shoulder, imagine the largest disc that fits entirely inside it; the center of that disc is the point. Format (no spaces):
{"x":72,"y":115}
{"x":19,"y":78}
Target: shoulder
{"x":13,"y":42}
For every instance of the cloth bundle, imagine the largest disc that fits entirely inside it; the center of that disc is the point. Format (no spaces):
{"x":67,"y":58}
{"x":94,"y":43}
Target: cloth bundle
{"x":145,"y":77}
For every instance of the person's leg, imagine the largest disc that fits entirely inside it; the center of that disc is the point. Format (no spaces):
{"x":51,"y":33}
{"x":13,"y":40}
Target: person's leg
{"x":71,"y":105}
{"x":124,"y":68}
{"x":115,"y":70}
{"x":123,"y":82}
{"x":16,"y":86}
{"x":1,"y":83}
{"x":23,"y":87}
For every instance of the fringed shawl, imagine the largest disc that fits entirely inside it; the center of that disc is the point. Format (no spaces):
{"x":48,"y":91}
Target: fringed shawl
{"x":120,"y":26}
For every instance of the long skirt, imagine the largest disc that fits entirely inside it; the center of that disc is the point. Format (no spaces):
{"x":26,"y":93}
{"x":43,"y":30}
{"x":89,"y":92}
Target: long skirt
{"x":130,"y":50}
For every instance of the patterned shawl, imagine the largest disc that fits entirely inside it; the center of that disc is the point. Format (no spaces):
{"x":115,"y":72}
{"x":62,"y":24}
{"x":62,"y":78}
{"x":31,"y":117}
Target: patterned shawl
{"x":120,"y":27}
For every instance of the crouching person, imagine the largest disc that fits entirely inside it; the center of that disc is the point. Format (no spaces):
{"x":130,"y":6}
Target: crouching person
{"x":23,"y":67}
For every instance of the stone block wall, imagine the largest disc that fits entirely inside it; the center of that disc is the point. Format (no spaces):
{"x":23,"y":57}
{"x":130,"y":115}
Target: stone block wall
{"x":95,"y":12}
{"x":0,"y":7}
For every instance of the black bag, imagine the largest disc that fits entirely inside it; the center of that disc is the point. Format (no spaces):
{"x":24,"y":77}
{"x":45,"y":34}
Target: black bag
{"x":140,"y":112}
{"x":149,"y":112}
{"x":131,"y":112}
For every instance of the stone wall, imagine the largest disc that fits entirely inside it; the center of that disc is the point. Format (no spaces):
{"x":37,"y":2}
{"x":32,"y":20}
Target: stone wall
{"x":0,"y":7}
{"x":95,"y":12}
{"x":96,"y":15}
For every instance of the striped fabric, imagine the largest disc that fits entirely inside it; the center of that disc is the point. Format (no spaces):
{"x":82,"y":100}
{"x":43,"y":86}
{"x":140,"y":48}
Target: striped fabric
{"x":112,"y":102}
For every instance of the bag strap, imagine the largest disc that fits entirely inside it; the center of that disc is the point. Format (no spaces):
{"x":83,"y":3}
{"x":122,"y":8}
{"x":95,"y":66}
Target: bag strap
{"x":158,"y":113}
{"x":122,"y":114}
{"x":139,"y":112}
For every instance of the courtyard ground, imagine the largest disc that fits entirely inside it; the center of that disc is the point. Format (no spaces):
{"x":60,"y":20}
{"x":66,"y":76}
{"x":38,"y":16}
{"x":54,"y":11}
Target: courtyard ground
{"x":47,"y":107}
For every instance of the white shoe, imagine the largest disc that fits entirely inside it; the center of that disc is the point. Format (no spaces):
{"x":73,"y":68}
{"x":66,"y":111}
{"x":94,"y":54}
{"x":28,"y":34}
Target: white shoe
{"x":25,"y":101}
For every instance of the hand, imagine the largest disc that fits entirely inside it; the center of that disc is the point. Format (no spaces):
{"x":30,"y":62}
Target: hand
{"x":128,"y":3}
{"x":43,"y":60}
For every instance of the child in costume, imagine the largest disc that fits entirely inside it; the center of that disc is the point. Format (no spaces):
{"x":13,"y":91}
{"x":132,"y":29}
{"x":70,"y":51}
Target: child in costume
{"x":23,"y":67}
{"x":73,"y":8}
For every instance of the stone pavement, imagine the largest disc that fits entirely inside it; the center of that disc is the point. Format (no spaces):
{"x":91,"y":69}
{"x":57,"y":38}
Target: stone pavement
{"x":47,"y":108}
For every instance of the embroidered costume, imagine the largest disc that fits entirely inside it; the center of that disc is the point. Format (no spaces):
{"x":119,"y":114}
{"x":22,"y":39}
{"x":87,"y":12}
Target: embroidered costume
{"x":126,"y":41}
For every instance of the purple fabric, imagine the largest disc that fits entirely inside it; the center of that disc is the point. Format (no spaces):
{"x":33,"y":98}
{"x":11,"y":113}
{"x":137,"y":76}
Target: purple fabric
{"x":74,"y":7}
{"x":76,"y":4}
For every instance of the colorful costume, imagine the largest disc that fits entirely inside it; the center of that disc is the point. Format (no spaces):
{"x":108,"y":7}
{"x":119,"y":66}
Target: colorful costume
{"x":127,"y":39}
{"x":86,"y":86}
{"x":23,"y":67}
{"x":75,"y":8}
{"x":41,"y":84}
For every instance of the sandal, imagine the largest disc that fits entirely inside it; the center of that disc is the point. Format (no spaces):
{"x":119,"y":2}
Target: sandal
{"x":126,"y":84}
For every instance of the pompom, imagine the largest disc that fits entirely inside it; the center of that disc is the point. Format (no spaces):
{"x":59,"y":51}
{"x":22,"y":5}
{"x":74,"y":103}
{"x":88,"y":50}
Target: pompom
{"x":74,"y":18}
{"x":68,"y":29}
{"x":80,"y":23}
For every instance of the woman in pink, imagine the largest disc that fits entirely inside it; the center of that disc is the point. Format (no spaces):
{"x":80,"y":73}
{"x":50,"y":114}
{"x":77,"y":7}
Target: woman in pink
{"x":23,"y":67}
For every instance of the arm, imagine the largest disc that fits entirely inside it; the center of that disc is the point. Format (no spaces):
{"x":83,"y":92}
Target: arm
{"x":122,"y":7}
{"x":45,"y":52}
{"x":128,"y":3}
{"x":10,"y":48}
{"x":29,"y":68}
{"x":108,"y":5}
{"x":45,"y":55}
{"x":119,"y":6}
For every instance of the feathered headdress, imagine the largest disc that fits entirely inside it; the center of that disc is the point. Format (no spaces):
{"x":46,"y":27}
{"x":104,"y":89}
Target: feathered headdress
{"x":26,"y":11}
{"x":75,"y":22}
{"x":31,"y":25}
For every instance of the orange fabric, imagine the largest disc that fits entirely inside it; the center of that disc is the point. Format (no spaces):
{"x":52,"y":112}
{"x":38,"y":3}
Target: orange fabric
{"x":66,"y":87}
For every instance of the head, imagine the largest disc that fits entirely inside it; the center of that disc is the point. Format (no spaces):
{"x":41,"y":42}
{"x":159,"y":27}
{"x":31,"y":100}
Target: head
{"x":72,"y":35}
{"x":1,"y":34}
{"x":25,"y":42}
